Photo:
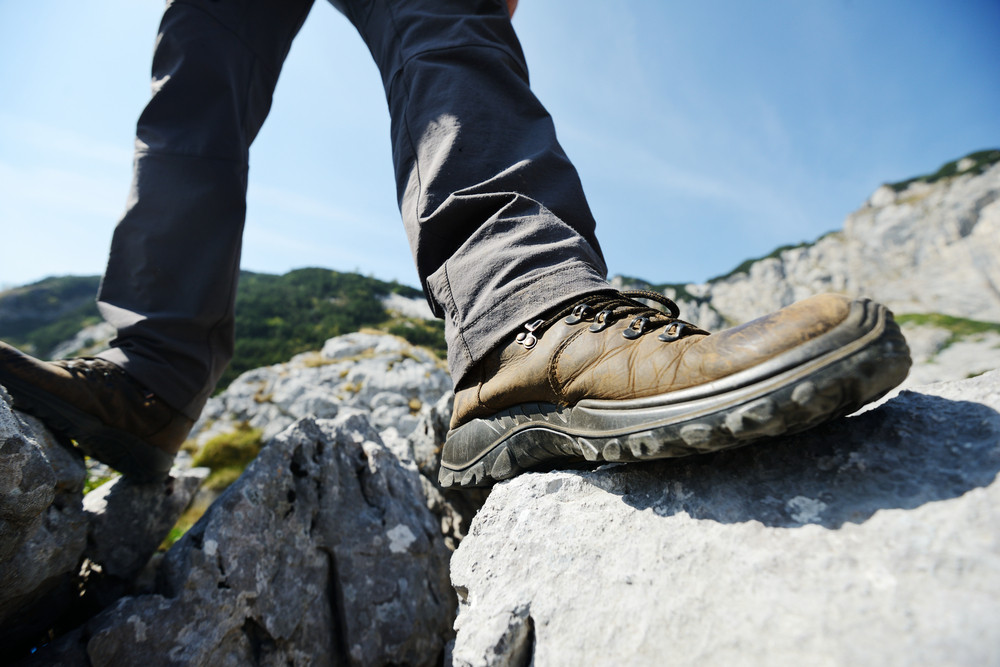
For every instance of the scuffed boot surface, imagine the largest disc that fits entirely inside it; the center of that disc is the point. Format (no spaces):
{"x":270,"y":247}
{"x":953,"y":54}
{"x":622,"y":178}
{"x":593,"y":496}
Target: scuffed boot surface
{"x":95,"y":403}
{"x":611,"y":379}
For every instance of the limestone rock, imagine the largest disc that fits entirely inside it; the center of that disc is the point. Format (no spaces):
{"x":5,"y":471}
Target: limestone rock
{"x":936,"y":357}
{"x":453,"y":507}
{"x":88,"y":341}
{"x":127,"y":522}
{"x":395,"y":381}
{"x":48,"y":527}
{"x":43,"y":530}
{"x":871,"y":540}
{"x":931,"y":248}
{"x":323,"y":552}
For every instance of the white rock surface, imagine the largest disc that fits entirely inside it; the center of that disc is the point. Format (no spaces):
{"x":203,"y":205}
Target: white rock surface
{"x":406,"y":306}
{"x":874,"y":540}
{"x":87,"y":341}
{"x":398,"y":383}
{"x":937,"y":360}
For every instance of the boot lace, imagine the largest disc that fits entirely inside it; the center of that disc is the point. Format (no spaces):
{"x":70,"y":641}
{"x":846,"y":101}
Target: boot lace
{"x":602,"y":309}
{"x":98,"y":371}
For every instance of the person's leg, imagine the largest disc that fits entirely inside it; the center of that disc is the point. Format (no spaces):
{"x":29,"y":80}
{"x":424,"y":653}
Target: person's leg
{"x":496,"y":217}
{"x":171,"y":277}
{"x":504,"y":240}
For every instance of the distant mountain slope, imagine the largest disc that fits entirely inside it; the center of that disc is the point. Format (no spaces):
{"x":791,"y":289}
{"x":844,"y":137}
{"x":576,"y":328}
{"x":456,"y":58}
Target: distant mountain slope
{"x":276,"y":316}
{"x":930,"y":244}
{"x":927,"y":245}
{"x":39,"y":316}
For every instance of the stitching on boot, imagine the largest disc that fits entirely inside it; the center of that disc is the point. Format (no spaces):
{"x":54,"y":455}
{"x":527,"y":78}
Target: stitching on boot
{"x":554,"y":362}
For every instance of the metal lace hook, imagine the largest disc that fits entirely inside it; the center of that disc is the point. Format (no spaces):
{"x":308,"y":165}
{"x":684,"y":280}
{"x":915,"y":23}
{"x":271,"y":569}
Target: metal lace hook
{"x":528,"y":339}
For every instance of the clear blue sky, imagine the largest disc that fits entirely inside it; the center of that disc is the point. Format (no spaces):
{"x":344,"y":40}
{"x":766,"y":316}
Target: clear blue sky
{"x":705,"y":132}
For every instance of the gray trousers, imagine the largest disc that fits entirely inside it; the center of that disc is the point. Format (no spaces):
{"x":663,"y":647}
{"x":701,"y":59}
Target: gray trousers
{"x":494,"y":211}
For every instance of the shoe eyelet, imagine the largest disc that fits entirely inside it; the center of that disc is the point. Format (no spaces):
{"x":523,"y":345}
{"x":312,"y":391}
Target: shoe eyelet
{"x":581,"y":312}
{"x":638,"y":326}
{"x":528,"y":339}
{"x":673,"y":332}
{"x":602,"y":321}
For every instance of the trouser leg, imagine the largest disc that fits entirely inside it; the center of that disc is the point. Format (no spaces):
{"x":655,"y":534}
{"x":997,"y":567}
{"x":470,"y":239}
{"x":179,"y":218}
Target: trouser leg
{"x":494,"y":211}
{"x":170,"y":283}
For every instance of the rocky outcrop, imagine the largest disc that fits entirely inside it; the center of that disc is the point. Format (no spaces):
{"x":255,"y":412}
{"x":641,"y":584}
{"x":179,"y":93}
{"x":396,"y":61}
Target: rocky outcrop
{"x":63,"y":557}
{"x":403,"y":390}
{"x":331,"y":548}
{"x":395,"y":382}
{"x":871,"y":540}
{"x":43,"y":528}
{"x":929,"y":248}
{"x":322,"y":553}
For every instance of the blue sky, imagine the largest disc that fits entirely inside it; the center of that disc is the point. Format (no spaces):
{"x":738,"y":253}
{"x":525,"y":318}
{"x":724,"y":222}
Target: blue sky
{"x":704,"y":132}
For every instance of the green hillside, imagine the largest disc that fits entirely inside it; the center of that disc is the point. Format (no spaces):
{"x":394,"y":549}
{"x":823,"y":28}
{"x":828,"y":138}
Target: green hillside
{"x":276,"y":316}
{"x":39,"y":316}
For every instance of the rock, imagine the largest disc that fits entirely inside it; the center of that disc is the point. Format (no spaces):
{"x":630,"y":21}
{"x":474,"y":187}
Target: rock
{"x":454,"y":508}
{"x":937,"y":357}
{"x":48,"y":527}
{"x":323,"y":552}
{"x":870,"y":540}
{"x":928,"y":249}
{"x":406,"y":306}
{"x":402,"y":389}
{"x":127,"y":522}
{"x":396,"y":382}
{"x":43,"y":529}
{"x":88,"y":341}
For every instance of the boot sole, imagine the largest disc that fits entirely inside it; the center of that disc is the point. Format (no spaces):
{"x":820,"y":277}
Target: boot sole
{"x":785,"y":395}
{"x":126,"y":453}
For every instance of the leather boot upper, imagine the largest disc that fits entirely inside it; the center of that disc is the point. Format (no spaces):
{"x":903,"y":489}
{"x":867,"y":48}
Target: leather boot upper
{"x":568,"y":361}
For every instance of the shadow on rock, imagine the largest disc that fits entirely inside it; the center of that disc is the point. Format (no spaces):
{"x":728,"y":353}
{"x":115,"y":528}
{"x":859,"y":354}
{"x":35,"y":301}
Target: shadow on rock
{"x":915,"y":449}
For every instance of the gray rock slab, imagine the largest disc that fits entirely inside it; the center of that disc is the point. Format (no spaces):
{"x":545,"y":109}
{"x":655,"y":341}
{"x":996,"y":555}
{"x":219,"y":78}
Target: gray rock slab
{"x":43,"y":530}
{"x":873,"y":540}
{"x":322,"y":553}
{"x":129,"y":520}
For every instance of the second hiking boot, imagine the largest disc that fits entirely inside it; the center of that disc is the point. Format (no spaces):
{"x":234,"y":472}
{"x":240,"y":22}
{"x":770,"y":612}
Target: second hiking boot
{"x":94,"y":402}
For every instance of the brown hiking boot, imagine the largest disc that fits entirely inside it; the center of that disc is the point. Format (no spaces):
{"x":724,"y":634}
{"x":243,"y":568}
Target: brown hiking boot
{"x":94,"y":402}
{"x":610,"y":379}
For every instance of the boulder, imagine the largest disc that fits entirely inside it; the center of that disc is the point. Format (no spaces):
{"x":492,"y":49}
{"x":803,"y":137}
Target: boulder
{"x":43,"y":529}
{"x":322,"y":552}
{"x":48,"y":529}
{"x":127,"y":522}
{"x":874,"y":539}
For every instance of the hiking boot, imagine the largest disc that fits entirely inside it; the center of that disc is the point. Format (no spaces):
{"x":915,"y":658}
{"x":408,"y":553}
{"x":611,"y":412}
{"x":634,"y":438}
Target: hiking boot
{"x":611,"y":379}
{"x":111,"y":417}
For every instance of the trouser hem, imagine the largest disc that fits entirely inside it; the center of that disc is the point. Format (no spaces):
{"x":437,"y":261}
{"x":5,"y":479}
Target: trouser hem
{"x":469,"y":344}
